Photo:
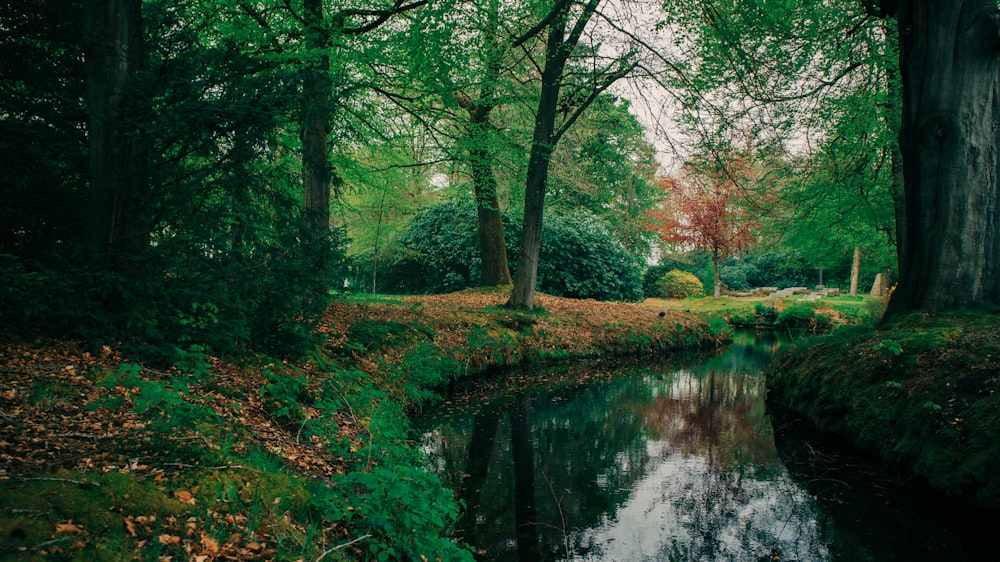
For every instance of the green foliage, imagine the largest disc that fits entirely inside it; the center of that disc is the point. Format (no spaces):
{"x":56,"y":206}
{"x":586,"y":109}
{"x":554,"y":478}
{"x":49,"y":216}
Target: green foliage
{"x":167,"y":405}
{"x":678,"y":284}
{"x":760,"y":315}
{"x":283,"y":396}
{"x":799,"y":320}
{"x":370,"y":335}
{"x":695,"y":265}
{"x":890,"y":346}
{"x":765,"y":269}
{"x":929,"y":410}
{"x":579,"y":257}
{"x":403,"y":510}
{"x":22,"y":290}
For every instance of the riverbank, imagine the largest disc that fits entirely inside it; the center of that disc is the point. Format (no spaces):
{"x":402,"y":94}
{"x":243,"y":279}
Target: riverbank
{"x":922,"y":392}
{"x":103,"y":457}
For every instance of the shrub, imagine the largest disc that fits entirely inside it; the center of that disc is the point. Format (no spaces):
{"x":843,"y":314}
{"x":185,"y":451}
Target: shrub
{"x":760,"y":315}
{"x":579,"y":257}
{"x":650,"y":279}
{"x":679,"y":284}
{"x":798,"y":320}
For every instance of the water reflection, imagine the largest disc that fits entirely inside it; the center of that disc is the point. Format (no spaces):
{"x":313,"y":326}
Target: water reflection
{"x":658,"y":462}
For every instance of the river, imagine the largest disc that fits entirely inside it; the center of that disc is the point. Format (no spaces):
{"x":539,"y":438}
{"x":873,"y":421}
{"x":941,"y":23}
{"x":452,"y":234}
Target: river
{"x":674,"y":460}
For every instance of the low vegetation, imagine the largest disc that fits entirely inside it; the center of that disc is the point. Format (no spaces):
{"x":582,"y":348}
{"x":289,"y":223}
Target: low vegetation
{"x":103,"y":457}
{"x":922,"y":392}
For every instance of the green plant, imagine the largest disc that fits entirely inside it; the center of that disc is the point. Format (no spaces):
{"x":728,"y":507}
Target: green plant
{"x":404,"y":512}
{"x":889,"y":346}
{"x":579,"y":256}
{"x":165,"y":405}
{"x":799,"y":320}
{"x":283,"y":394}
{"x":678,"y":284}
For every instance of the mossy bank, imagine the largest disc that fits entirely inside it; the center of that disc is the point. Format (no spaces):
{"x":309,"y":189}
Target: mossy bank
{"x":922,"y":392}
{"x":107,"y":457}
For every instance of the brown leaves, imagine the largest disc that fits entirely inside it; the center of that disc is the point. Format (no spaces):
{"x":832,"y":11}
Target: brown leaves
{"x":69,"y":527}
{"x":186,"y":497}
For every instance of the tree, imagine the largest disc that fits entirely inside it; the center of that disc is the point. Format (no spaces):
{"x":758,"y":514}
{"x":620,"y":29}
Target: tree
{"x":320,"y":39}
{"x":117,"y":108}
{"x":949,"y":56}
{"x":606,"y":165}
{"x":703,"y":212}
{"x":812,"y":85}
{"x":565,"y":24}
{"x":777,"y":53}
{"x":494,"y":269}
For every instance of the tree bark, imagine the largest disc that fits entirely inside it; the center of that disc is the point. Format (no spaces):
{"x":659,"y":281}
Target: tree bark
{"x":716,"y":282}
{"x":116,"y":107}
{"x":855,"y":271}
{"x":494,"y":268}
{"x":315,"y":125}
{"x":492,"y":243}
{"x":949,"y":146}
{"x":542,"y":146}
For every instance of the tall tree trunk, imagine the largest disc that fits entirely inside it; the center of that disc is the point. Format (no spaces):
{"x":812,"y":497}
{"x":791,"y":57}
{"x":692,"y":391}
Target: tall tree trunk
{"x":315,"y":125}
{"x":855,"y":271}
{"x":896,"y":159}
{"x":114,"y":63}
{"x":951,"y":159}
{"x":716,"y":282}
{"x":492,"y":243}
{"x":542,"y":146}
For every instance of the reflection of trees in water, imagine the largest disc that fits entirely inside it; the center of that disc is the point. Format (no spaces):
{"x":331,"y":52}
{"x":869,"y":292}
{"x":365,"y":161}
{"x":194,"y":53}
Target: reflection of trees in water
{"x":560,"y":470}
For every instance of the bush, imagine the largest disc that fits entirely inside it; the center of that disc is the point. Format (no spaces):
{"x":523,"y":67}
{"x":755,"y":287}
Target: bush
{"x":760,"y":315}
{"x":579,"y":258}
{"x":696,"y":265}
{"x":679,"y":284}
{"x":799,"y":320}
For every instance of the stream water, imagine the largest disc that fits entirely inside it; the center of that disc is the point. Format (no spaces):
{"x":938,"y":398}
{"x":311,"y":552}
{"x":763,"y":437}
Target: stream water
{"x":673,"y":460}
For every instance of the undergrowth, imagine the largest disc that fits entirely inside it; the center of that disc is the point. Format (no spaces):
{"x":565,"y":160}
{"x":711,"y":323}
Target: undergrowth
{"x":270,"y":459}
{"x":923,"y":392}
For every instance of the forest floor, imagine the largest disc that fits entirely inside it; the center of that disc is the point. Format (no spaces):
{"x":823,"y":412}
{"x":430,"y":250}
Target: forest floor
{"x":105,"y":458}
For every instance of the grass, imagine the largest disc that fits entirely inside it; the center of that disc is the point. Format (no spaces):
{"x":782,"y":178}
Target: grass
{"x":707,"y":307}
{"x":922,"y":392}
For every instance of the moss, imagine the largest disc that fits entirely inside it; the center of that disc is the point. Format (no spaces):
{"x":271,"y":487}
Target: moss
{"x":920,"y":392}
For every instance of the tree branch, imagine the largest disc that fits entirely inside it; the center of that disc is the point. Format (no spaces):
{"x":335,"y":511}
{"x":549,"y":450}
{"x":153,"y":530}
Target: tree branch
{"x":381,"y":16}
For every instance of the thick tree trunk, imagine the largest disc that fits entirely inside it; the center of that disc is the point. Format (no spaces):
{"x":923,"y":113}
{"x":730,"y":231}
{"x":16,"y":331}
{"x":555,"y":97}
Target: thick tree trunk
{"x":315,"y":127}
{"x":116,"y":107}
{"x":492,"y":243}
{"x":951,"y":161}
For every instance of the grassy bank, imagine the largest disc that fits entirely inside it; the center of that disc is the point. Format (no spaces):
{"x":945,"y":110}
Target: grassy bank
{"x":104,"y":457}
{"x":922,"y":392}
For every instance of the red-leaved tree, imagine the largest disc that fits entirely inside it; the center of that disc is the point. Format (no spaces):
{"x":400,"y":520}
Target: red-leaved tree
{"x":704,"y":209}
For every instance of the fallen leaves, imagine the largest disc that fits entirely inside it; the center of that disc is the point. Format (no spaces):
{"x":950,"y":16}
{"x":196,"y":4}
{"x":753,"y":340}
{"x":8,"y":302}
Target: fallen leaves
{"x":56,"y":417}
{"x":186,"y":497}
